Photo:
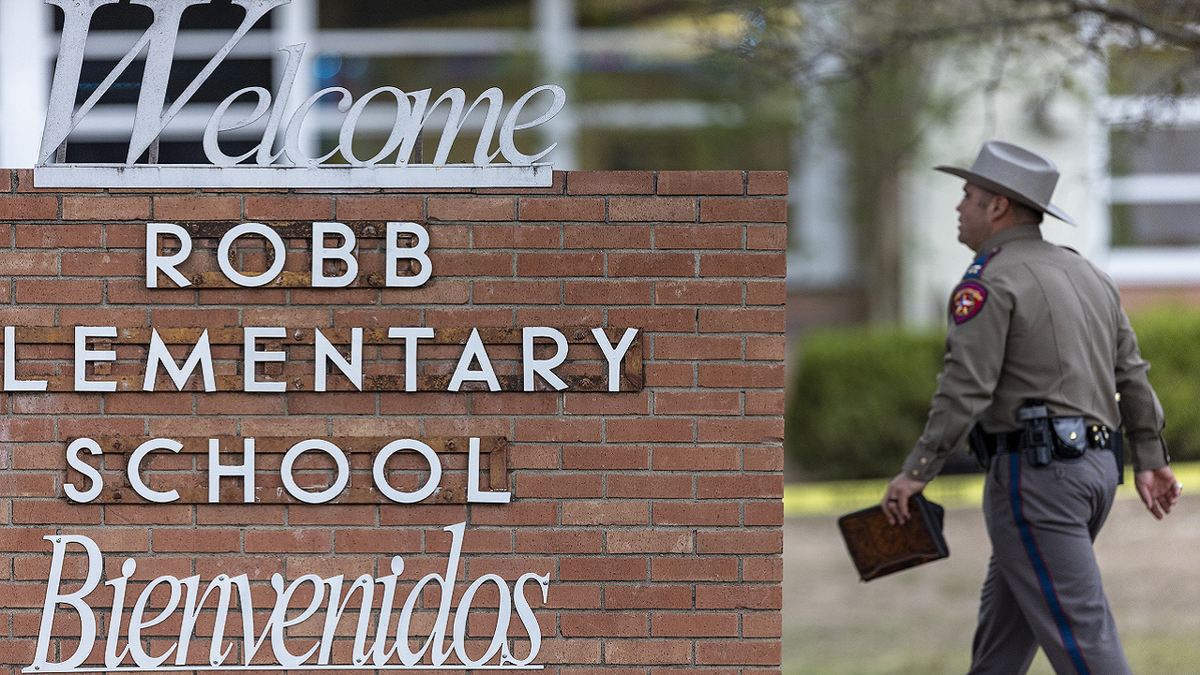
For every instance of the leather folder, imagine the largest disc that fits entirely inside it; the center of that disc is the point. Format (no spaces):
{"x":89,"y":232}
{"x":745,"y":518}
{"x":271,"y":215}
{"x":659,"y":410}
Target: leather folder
{"x":879,"y":548}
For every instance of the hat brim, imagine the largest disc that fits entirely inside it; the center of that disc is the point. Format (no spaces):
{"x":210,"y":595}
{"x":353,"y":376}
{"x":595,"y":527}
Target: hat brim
{"x":993,"y":186}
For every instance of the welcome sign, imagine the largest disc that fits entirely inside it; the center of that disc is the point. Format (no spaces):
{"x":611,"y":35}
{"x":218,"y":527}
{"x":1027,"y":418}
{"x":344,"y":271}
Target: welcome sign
{"x":252,"y":427}
{"x":273,"y":166}
{"x":180,"y":599}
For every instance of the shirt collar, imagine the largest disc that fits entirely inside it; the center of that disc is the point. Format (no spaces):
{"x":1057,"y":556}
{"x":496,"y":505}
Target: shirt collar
{"x":1029,"y":231}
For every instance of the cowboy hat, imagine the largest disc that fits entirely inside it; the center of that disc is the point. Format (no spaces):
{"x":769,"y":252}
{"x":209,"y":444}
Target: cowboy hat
{"x":1016,"y":173}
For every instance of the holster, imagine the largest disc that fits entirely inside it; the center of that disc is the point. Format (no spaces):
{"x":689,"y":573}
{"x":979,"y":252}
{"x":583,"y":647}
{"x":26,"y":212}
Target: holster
{"x":983,"y":447}
{"x":1036,"y":438}
{"x":1118,"y":448}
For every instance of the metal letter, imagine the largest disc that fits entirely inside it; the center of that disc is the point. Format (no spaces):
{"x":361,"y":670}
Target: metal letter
{"x":455,"y":120}
{"x":325,"y":352}
{"x":266,"y":233}
{"x":83,"y":355}
{"x":11,"y":383}
{"x":85,"y":469}
{"x":346,"y":134}
{"x":156,"y":262}
{"x":150,"y":120}
{"x":527,"y":619}
{"x":463,"y":372}
{"x":281,"y":622}
{"x":417,"y":253}
{"x":111,"y":658}
{"x":60,"y":116}
{"x":326,"y":495}
{"x":507,"y":146}
{"x":164,"y":32}
{"x":543,"y":367}
{"x":212,"y":149}
{"x":266,"y":156}
{"x":437,"y":638}
{"x":410,"y":335}
{"x":431,"y":484}
{"x":201,"y":356}
{"x":321,"y":254}
{"x":291,"y":139}
{"x":135,"y":469}
{"x":614,"y":355}
{"x":54,"y":597}
{"x":136,"y":624}
{"x":334,"y":611}
{"x":474,"y":494}
{"x":500,"y":634}
{"x":252,"y":357}
{"x":379,"y":652}
{"x":216,"y":470}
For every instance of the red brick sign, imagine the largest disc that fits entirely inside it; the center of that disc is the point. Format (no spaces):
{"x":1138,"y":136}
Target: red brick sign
{"x":558,"y":448}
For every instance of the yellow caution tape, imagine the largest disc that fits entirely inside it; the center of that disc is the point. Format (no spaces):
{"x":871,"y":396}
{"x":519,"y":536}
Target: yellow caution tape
{"x":952,"y":492}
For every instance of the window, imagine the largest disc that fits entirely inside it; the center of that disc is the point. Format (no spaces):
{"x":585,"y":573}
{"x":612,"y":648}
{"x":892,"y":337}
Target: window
{"x":1152,"y":203}
{"x":1153,"y":149}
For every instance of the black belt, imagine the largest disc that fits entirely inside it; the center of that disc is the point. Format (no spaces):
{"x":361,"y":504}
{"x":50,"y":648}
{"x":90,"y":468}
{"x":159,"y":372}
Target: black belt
{"x":1099,"y":437}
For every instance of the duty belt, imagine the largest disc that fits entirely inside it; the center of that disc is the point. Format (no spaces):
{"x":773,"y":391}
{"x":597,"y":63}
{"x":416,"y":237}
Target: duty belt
{"x":1045,"y":439}
{"x":1099,"y":437}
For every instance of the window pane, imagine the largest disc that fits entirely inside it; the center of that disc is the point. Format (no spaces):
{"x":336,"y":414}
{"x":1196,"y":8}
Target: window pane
{"x":1175,"y":150}
{"x":425,"y":14}
{"x":1156,"y":225}
{"x":124,"y":16}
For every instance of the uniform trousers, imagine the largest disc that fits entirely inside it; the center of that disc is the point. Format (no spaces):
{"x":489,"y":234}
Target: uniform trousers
{"x":1043,"y":585}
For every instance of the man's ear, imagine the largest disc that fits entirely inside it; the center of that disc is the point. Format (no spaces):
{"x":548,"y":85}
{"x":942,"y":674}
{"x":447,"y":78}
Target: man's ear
{"x":998,"y":206}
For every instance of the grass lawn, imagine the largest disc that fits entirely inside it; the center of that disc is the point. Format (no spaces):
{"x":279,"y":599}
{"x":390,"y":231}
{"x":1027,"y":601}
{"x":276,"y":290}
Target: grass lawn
{"x":920,"y":621}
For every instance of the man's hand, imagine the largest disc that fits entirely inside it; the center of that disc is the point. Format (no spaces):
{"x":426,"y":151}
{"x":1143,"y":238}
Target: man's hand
{"x":895,"y":499}
{"x":1158,"y":489}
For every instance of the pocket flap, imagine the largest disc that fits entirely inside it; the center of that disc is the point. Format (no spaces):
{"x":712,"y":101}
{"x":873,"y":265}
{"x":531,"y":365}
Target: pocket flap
{"x":1071,"y":432}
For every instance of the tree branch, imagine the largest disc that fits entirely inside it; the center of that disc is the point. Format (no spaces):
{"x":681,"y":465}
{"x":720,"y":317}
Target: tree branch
{"x":1183,"y":36}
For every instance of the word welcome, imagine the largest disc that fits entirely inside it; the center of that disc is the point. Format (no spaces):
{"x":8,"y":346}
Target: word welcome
{"x":384,"y":647}
{"x":474,"y":364}
{"x":287,"y":166}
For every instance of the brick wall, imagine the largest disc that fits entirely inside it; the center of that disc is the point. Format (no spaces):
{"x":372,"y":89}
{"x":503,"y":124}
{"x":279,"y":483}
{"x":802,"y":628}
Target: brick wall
{"x":655,"y":510}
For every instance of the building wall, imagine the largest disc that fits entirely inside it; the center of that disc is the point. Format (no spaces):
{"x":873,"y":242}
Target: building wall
{"x":1063,"y":130}
{"x":655,"y":510}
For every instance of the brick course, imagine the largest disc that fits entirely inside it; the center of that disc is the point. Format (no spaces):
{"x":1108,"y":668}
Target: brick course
{"x":656,"y":513}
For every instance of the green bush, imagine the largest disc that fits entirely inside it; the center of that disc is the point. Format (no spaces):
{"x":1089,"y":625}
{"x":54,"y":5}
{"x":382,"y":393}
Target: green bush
{"x":1169,"y":338}
{"x":861,"y":399}
{"x":862,"y":395}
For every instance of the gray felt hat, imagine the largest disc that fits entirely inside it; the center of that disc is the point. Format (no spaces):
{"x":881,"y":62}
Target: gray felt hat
{"x":1016,"y":173}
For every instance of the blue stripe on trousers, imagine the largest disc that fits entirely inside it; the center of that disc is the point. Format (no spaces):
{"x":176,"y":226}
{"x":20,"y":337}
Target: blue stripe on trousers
{"x":1039,"y":566}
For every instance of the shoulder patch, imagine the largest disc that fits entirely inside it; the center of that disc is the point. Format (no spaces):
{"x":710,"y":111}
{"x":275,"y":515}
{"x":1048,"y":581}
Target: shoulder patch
{"x":1068,"y":248}
{"x":976,"y":268}
{"x":968,"y":299}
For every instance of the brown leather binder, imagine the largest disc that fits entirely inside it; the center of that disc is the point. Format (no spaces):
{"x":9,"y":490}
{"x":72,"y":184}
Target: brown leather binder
{"x":879,"y":548}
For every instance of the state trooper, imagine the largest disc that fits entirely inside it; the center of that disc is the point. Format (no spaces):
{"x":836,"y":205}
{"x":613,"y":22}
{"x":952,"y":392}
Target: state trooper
{"x":1041,"y":370}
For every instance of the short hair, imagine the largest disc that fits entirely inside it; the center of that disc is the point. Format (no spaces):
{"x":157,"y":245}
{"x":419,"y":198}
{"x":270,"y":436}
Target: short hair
{"x":1023,"y":212}
{"x":1026,"y":213}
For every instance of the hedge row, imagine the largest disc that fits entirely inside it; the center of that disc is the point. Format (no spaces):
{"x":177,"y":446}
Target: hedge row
{"x":862,"y":395}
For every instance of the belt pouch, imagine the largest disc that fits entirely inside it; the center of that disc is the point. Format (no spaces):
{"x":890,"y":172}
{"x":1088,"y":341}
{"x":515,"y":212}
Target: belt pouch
{"x":1070,"y":437}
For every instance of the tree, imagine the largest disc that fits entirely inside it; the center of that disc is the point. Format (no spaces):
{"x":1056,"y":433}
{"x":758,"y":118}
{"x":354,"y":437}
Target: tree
{"x":874,"y":58}
{"x":816,"y":41}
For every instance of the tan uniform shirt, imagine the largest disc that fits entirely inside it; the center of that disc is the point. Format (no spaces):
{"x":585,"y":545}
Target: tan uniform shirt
{"x":1034,"y":320}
